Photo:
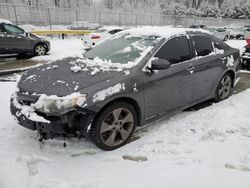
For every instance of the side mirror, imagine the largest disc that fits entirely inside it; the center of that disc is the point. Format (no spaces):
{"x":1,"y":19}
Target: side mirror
{"x":159,"y":64}
{"x":27,"y":34}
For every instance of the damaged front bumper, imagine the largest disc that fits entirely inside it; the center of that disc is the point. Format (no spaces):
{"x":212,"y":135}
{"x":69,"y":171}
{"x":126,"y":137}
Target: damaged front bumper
{"x":72,"y":123}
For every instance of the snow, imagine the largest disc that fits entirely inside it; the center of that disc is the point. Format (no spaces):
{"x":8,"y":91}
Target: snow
{"x":205,"y":148}
{"x":239,"y":44}
{"x":103,"y":94}
{"x":160,"y":31}
{"x":27,"y":111}
{"x":62,"y":49}
{"x":5,"y":21}
{"x":230,"y":61}
{"x":47,"y":103}
{"x":98,"y":65}
{"x":29,"y":28}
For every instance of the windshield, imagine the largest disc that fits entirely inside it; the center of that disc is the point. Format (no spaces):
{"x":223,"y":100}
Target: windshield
{"x":122,"y":50}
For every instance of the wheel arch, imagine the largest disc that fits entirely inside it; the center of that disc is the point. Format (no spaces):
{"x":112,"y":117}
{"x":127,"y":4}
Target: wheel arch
{"x":232,"y":74}
{"x":128,"y":100}
{"x":41,"y":43}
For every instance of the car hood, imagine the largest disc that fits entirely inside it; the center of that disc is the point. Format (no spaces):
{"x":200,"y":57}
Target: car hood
{"x":63,"y":77}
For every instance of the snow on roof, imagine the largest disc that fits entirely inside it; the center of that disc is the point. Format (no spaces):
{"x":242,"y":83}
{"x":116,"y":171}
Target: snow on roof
{"x":5,"y":21}
{"x":161,"y":31}
{"x":109,"y":28}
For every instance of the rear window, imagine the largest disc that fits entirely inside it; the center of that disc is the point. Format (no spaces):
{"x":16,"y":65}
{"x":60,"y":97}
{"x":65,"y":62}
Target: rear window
{"x":203,"y":45}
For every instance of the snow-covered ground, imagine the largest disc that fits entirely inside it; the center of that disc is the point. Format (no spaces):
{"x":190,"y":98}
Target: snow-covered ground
{"x":71,"y":47}
{"x":205,"y":148}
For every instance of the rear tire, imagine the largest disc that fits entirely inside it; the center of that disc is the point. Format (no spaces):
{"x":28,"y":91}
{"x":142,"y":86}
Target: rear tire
{"x":114,"y":126}
{"x":40,"y":49}
{"x":224,"y":89}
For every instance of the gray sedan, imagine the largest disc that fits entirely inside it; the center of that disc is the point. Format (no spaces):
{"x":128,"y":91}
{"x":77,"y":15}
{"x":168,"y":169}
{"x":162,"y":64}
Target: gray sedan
{"x":133,"y":79}
{"x":14,"y":40}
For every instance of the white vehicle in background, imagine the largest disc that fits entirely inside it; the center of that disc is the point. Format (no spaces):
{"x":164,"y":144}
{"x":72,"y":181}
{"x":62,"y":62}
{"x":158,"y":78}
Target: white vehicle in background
{"x":92,"y":39}
{"x":84,"y":25}
{"x":220,"y":32}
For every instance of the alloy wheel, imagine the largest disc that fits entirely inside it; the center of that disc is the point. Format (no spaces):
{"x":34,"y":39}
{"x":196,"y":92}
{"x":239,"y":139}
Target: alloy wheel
{"x":225,"y":87}
{"x":40,"y":50}
{"x":117,"y":127}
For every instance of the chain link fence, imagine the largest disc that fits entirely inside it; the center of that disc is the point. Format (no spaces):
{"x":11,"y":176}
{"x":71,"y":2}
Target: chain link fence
{"x":43,"y":16}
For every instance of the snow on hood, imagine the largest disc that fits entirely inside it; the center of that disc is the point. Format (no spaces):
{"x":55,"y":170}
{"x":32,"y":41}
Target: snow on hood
{"x":161,"y":31}
{"x":63,"y":78}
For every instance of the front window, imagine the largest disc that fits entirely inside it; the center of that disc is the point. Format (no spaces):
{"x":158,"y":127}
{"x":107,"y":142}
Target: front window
{"x":13,"y":29}
{"x":175,"y":50}
{"x":123,"y":49}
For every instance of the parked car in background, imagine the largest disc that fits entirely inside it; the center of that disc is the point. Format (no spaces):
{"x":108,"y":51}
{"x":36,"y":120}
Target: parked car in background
{"x":84,"y":25}
{"x":130,"y":80}
{"x":198,"y":27}
{"x":91,"y":40}
{"x":220,"y":32}
{"x":14,"y":40}
{"x":237,"y":33}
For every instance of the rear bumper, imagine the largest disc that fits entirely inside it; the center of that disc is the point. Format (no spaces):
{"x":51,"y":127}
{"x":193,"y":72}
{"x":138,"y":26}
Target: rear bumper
{"x":69,"y":124}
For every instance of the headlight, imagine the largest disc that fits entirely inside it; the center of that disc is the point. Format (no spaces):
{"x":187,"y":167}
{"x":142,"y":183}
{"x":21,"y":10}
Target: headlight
{"x":54,"y":104}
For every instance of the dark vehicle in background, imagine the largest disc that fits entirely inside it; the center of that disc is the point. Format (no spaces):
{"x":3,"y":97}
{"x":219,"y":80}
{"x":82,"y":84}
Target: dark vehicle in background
{"x":246,"y":56}
{"x":14,"y":40}
{"x":169,"y":74}
{"x":240,"y":33}
{"x":220,"y":32}
{"x":198,"y":27}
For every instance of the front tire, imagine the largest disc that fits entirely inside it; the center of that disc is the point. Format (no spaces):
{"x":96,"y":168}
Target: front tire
{"x":114,"y":126}
{"x":40,"y":50}
{"x":224,"y":88}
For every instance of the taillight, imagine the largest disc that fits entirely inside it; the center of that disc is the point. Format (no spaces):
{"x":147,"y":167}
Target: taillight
{"x":95,"y":37}
{"x":248,"y":42}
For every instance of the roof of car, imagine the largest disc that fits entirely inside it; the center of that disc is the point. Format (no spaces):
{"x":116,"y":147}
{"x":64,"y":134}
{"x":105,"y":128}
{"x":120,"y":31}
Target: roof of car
{"x":5,"y":21}
{"x":161,"y":31}
{"x":109,"y":28}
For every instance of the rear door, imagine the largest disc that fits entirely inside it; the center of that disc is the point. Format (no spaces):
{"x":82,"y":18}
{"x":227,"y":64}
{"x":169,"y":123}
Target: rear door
{"x":208,"y":66}
{"x":166,"y":90}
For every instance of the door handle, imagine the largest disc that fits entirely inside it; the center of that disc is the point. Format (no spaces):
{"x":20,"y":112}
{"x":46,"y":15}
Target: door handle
{"x":191,"y":70}
{"x":223,"y":58}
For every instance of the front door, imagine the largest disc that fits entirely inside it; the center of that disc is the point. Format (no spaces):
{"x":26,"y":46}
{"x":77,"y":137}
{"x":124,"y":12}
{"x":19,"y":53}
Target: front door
{"x":4,"y":43}
{"x":166,"y":90}
{"x":15,"y":38}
